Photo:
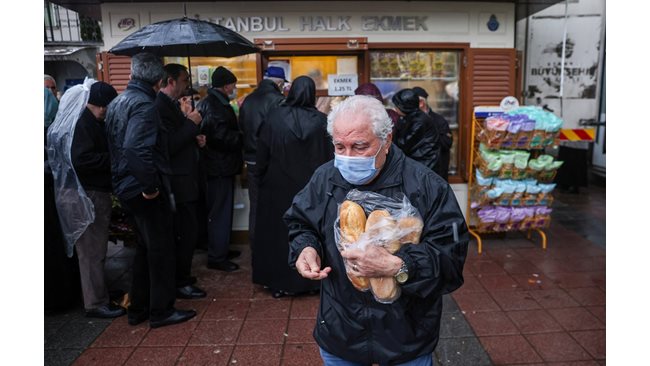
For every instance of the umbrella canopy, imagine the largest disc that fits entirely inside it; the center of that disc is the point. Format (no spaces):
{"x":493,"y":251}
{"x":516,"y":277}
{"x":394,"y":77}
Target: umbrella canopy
{"x":185,"y":37}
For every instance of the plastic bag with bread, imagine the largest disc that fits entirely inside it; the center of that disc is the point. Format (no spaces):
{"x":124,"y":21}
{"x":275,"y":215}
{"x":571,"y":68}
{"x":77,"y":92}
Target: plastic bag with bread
{"x":392,"y":222}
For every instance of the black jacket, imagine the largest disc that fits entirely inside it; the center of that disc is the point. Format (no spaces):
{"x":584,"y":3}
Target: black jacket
{"x":137,"y":142}
{"x":222,"y":155}
{"x":446,"y":140}
{"x":417,"y":136}
{"x":253,"y":113}
{"x":89,"y":153}
{"x":183,"y":149}
{"x":351,"y":324}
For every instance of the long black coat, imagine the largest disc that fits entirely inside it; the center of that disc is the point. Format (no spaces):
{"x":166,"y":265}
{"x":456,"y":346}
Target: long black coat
{"x":222,"y":155}
{"x":445,"y":139}
{"x":183,"y":149}
{"x":254,"y":111}
{"x":292,"y":144}
{"x":350,"y":323}
{"x":417,"y":136}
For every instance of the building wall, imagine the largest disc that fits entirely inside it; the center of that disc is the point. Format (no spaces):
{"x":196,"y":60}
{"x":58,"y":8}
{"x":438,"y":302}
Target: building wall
{"x":385,"y":21}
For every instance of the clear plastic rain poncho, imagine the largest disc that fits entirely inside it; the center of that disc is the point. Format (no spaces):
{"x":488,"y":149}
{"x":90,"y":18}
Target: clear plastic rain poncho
{"x":76,"y":210}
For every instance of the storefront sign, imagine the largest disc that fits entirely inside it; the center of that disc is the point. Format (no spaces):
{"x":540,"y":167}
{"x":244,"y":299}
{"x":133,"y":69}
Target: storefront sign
{"x":324,"y":23}
{"x":340,"y":85}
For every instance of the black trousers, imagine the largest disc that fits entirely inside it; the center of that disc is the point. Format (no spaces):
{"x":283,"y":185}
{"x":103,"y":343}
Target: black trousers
{"x":185,"y":235}
{"x":252,"y":198}
{"x":153,"y":288}
{"x":220,"y":196}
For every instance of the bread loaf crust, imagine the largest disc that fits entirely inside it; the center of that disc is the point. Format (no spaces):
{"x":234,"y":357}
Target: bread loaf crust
{"x":352,"y":222}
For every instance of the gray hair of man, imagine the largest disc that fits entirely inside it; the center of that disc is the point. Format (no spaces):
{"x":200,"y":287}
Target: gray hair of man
{"x":381,"y":123}
{"x":147,"y":67}
{"x":48,"y":77}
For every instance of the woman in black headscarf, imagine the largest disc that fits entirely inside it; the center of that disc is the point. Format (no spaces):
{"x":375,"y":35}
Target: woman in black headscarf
{"x":292,"y":143}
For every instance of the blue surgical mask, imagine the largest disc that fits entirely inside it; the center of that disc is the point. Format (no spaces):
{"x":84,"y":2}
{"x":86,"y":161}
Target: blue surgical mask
{"x":357,"y":170}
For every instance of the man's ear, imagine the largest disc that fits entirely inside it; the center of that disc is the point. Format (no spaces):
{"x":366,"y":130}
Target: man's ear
{"x":389,"y":141}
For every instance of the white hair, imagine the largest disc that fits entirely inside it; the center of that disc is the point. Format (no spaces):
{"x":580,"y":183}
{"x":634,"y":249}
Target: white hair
{"x":381,"y":123}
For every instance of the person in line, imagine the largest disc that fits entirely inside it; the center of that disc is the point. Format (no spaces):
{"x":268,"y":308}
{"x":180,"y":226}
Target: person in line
{"x":252,"y":114}
{"x":51,"y":101}
{"x":140,"y":168}
{"x":415,"y":133}
{"x":351,"y":327}
{"x":222,"y":159}
{"x":182,"y":124}
{"x":372,"y":90}
{"x":445,"y":137}
{"x":92,"y":164}
{"x":292,"y":143}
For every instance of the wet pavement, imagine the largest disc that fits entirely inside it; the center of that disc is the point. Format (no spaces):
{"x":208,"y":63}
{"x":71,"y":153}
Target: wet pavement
{"x":519,"y":305}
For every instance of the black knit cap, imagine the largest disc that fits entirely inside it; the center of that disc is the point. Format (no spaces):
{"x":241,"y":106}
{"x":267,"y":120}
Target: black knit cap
{"x":222,"y":76}
{"x":406,"y":101}
{"x":101,"y":94}
{"x":420,"y":92}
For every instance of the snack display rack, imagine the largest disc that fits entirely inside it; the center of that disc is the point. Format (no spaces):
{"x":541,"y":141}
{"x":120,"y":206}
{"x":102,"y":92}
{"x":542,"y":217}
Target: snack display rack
{"x":526,"y":142}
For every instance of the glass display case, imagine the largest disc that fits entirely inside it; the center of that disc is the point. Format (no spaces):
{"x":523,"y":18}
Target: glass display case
{"x":437,"y":72}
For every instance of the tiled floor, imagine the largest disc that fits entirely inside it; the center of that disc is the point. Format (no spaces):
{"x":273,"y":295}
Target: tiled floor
{"x":519,"y":305}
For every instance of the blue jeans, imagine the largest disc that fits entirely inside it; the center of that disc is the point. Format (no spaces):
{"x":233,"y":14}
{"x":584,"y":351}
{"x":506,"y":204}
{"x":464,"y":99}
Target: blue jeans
{"x":331,"y":360}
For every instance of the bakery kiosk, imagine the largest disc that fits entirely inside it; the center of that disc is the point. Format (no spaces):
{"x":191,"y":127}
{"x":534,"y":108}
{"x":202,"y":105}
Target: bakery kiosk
{"x":461,"y":53}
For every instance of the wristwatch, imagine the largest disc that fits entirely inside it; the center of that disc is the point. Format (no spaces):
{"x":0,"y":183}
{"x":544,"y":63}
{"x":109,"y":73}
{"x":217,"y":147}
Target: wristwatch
{"x":402,"y":274}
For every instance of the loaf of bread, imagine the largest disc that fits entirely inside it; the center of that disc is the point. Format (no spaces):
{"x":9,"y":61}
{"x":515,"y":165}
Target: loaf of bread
{"x":382,"y":225}
{"x":412,"y":227}
{"x":352,"y":221}
{"x":385,"y":289}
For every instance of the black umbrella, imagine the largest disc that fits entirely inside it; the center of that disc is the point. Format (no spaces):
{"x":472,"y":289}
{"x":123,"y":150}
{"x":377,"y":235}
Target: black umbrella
{"x":185,"y":37}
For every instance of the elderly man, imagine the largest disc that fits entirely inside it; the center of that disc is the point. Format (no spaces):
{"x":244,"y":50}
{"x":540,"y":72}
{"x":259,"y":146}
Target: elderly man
{"x":91,"y":161}
{"x":352,"y":328}
{"x":140,"y":167}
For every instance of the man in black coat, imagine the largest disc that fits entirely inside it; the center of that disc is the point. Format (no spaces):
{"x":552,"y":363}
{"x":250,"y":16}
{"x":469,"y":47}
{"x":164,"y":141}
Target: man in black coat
{"x":140,"y":168}
{"x":350,"y":324}
{"x":184,"y":138}
{"x":222,"y":161}
{"x":445,"y":136}
{"x":252,"y":114}
{"x":92,"y":164}
{"x":416,"y":133}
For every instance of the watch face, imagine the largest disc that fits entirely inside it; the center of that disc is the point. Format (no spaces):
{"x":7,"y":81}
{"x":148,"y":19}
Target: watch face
{"x":402,"y":277}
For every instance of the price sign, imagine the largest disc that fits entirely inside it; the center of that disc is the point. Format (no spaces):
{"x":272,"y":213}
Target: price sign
{"x":342,"y":84}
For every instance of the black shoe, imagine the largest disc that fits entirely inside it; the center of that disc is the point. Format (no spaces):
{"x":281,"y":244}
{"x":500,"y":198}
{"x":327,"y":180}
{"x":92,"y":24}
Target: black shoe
{"x":106,"y":311}
{"x":189,"y":292}
{"x":232,"y":254}
{"x":227,"y":266}
{"x":137,"y":318}
{"x":178,"y":316}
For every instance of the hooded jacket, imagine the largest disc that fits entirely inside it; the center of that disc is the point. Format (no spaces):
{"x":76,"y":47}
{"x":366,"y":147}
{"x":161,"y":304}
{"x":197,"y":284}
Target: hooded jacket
{"x":351,"y":324}
{"x":417,"y":136}
{"x":253,"y":113}
{"x":137,"y":142}
{"x":222,"y":155}
{"x":293,"y":143}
